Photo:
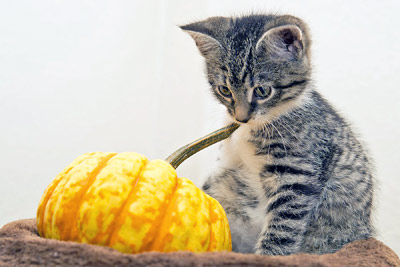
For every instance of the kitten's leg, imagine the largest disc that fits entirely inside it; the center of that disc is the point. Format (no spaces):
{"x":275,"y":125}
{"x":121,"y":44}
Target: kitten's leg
{"x":236,"y":198}
{"x":287,"y":218}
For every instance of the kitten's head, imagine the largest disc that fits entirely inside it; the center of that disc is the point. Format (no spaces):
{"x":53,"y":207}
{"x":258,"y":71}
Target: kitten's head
{"x":258,"y":66}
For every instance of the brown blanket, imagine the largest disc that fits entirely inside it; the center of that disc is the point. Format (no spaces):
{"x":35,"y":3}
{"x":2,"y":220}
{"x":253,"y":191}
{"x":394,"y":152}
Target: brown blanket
{"x":20,"y":245}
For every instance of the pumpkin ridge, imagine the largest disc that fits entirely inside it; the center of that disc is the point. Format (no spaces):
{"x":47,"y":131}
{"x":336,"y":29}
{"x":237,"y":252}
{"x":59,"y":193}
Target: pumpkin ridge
{"x":49,"y":192}
{"x":227,"y":235}
{"x":50,"y":218}
{"x":211,"y":221}
{"x":43,"y":203}
{"x":72,"y":232}
{"x":172,"y":201}
{"x":161,"y":220}
{"x":120,"y":216}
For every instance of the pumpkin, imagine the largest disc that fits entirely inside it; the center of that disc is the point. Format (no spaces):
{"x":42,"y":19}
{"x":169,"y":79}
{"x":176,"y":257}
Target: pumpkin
{"x":125,"y":201}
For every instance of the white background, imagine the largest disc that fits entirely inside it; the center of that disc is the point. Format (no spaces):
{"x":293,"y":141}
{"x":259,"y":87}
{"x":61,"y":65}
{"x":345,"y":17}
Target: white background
{"x":81,"y":76}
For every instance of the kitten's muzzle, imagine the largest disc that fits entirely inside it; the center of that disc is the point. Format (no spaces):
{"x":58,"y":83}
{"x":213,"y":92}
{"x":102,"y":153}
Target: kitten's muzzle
{"x":242,"y":113}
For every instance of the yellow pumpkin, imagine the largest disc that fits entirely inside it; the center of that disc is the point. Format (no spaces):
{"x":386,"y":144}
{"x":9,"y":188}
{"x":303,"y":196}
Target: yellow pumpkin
{"x":124,"y":201}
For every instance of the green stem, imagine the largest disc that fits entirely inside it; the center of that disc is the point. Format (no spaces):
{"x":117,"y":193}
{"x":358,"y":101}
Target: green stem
{"x":176,"y":158}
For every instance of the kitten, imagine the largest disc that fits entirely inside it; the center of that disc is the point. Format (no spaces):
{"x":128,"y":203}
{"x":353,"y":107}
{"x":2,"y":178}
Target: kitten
{"x":293,"y":178}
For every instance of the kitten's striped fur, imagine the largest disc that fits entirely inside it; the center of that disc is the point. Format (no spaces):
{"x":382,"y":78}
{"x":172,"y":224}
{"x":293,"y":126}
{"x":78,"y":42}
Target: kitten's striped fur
{"x":293,"y":178}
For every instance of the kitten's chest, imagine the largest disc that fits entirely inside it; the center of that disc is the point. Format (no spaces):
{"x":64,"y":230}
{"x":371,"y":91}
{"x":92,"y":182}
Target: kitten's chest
{"x":240,"y":155}
{"x":239,"y":151}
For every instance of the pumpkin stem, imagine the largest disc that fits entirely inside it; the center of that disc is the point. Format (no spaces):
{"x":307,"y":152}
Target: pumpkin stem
{"x":176,"y":158}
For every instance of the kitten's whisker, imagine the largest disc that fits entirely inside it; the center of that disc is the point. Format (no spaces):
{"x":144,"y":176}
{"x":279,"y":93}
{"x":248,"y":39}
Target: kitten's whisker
{"x":269,"y":135}
{"x":283,"y":142}
{"x":290,"y":129}
{"x":268,"y":140}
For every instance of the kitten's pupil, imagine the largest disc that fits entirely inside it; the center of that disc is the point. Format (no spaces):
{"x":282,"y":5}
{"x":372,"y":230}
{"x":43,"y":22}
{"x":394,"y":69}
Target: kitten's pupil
{"x":261,"y":92}
{"x":224,"y":91}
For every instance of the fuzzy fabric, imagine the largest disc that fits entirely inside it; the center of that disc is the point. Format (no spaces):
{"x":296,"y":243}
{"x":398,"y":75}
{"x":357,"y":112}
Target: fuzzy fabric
{"x":20,"y":245}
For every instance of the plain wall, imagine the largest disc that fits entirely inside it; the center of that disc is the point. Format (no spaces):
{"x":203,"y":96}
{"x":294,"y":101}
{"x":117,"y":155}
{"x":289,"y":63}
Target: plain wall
{"x":97,"y":75}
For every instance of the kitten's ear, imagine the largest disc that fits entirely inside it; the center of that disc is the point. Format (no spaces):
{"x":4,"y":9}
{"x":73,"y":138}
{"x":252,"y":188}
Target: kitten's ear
{"x":209,"y":47}
{"x":282,"y":42}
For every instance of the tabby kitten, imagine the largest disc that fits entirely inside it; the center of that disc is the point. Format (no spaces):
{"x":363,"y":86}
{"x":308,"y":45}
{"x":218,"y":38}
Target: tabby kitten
{"x":293,"y":178}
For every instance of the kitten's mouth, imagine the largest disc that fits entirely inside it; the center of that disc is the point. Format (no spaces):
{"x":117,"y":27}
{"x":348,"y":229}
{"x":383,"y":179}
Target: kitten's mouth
{"x":247,"y":121}
{"x":242,"y":121}
{"x":251,"y":122}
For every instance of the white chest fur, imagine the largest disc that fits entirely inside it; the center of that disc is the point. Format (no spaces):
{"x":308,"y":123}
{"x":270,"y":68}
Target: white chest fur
{"x":239,"y":153}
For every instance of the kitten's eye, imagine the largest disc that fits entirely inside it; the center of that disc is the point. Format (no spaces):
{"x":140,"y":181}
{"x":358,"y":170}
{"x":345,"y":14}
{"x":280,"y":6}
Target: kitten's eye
{"x":224,"y":91}
{"x":261,"y":92}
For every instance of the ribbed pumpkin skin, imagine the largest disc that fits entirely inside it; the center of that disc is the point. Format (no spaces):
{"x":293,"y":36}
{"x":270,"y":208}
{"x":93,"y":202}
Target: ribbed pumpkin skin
{"x":131,"y":204}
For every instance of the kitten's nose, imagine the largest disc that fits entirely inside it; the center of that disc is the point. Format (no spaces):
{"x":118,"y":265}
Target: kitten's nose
{"x":242,"y":114}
